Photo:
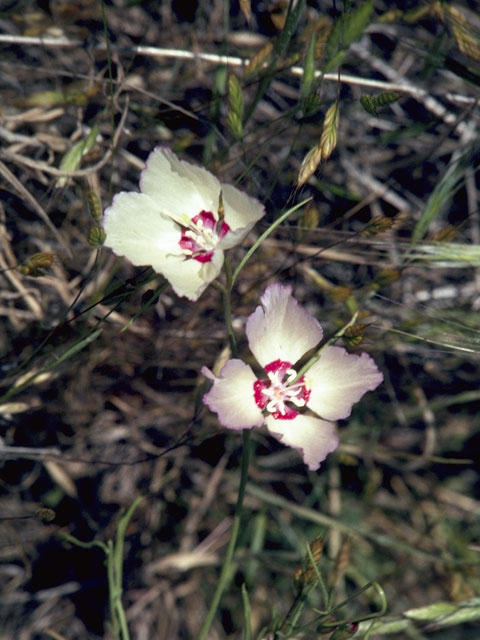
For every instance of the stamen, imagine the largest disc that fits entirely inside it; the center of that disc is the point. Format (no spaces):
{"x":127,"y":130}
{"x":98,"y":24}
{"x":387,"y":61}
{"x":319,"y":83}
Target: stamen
{"x":200,"y":239}
{"x":278,"y":392}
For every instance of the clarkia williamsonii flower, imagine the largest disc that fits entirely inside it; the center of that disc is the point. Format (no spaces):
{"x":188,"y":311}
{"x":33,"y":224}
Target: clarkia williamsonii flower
{"x":279,"y":333}
{"x":180,"y":223}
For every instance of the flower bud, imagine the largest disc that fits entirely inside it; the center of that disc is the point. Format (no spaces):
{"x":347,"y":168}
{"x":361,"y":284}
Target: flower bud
{"x":96,"y":237}
{"x":35,"y":264}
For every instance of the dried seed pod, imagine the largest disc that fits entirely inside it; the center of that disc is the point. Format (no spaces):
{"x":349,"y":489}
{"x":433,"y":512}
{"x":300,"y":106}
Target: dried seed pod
{"x":339,"y":293}
{"x":36,"y":263}
{"x":377,"y":225}
{"x":447,"y":234}
{"x":309,"y":574}
{"x":307,"y":221}
{"x":45,"y":514}
{"x":94,"y":206}
{"x":259,"y":59}
{"x":96,"y":237}
{"x":354,"y":335}
{"x":387,"y":276}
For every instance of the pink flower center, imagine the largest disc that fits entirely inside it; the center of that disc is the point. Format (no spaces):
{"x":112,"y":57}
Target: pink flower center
{"x":200,"y":239}
{"x":279,"y":391}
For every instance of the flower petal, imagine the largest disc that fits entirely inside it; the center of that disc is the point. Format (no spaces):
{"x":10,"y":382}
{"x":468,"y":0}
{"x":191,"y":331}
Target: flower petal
{"x":312,"y":437}
{"x":338,"y":380}
{"x":281,"y":328}
{"x":231,"y":396}
{"x":190,"y":278}
{"x":241,"y":211}
{"x":136,"y":228}
{"x":180,"y":189}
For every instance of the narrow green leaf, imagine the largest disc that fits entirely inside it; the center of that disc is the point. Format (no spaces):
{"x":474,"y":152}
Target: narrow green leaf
{"x":281,"y":43}
{"x":309,"y":67}
{"x":372,"y":103}
{"x":451,"y":254}
{"x":431,"y":612}
{"x":348,"y":28}
{"x":72,"y":159}
{"x":441,"y":196}
{"x":247,"y":614}
{"x":463,"y":615}
{"x":356,"y":22}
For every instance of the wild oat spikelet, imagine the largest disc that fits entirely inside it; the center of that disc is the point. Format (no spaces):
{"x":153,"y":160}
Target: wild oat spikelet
{"x":96,"y":237}
{"x":235,"y":106}
{"x":36,"y":263}
{"x":308,"y":575}
{"x":246,"y":9}
{"x":328,"y":140}
{"x":447,"y":234}
{"x":309,"y":165}
{"x":377,"y":225}
{"x":466,"y":37}
{"x":372,"y":103}
{"x":323,"y":150}
{"x":94,"y":206}
{"x":259,"y":59}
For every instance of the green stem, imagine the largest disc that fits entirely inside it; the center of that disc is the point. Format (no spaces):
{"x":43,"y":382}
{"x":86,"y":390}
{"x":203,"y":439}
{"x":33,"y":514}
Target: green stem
{"x":112,"y":589}
{"x":264,"y":235}
{"x":280,"y":46}
{"x":231,"y":335}
{"x":226,"y":573}
{"x":333,"y":339}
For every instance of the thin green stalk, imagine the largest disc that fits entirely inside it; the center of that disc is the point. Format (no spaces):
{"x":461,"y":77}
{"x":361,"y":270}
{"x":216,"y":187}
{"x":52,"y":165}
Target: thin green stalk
{"x":320,"y":581}
{"x":264,"y":235}
{"x":112,"y":588}
{"x":114,"y":561}
{"x":227,"y":308}
{"x":333,"y":339}
{"x":280,"y":46}
{"x":247,"y":614}
{"x":225,"y":575}
{"x":109,"y":63}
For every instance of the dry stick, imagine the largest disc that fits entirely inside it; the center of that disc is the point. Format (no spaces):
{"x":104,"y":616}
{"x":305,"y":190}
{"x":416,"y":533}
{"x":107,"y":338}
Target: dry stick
{"x":17,"y":283}
{"x":25,"y":193}
{"x":428,"y":101}
{"x":28,"y":453}
{"x":399,"y":85}
{"x":80,"y":173}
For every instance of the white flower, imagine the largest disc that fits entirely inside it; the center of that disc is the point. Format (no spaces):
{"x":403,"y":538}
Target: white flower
{"x":180,"y":223}
{"x":279,"y":333}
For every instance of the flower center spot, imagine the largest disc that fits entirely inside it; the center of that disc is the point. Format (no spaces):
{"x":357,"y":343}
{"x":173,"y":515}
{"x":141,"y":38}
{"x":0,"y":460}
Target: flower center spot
{"x":278,"y":392}
{"x":200,"y":239}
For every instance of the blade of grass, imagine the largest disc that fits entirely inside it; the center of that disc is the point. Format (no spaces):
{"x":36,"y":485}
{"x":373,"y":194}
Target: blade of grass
{"x":280,"y":46}
{"x":441,"y":196}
